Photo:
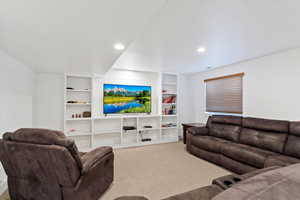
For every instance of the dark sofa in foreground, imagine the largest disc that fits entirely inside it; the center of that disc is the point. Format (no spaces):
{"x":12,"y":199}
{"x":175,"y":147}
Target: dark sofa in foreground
{"x":45,"y":165}
{"x":243,"y":145}
{"x":217,"y":187}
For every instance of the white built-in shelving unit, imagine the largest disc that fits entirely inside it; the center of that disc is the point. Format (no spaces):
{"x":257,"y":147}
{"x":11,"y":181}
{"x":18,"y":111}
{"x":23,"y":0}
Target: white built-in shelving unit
{"x":100,"y":130}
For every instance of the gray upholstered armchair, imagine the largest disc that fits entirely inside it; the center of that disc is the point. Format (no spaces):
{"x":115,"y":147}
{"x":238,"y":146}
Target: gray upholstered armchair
{"x":45,"y":164}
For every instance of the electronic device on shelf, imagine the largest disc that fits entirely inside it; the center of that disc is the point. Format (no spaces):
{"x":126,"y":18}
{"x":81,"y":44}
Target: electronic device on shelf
{"x":128,"y":128}
{"x":147,"y":140}
{"x":144,"y":139}
{"x":122,"y":99}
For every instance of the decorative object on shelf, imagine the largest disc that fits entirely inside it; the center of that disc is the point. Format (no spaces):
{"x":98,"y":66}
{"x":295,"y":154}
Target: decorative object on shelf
{"x":71,"y":101}
{"x":77,"y":102}
{"x":170,"y":111}
{"x":147,"y":126}
{"x":170,"y":99}
{"x":86,"y":114}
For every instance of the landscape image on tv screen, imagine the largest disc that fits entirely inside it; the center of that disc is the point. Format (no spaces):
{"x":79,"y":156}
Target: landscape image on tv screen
{"x":126,"y":99}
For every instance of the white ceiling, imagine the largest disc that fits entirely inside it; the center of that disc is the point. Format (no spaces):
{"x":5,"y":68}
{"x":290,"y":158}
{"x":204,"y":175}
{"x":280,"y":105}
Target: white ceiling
{"x":71,"y":35}
{"x":231,"y":30}
{"x":78,"y":36}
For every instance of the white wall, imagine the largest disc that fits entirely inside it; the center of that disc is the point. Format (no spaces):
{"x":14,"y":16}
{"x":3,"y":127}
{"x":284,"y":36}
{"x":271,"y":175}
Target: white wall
{"x":49,"y":95}
{"x":16,"y":102}
{"x":271,"y":87}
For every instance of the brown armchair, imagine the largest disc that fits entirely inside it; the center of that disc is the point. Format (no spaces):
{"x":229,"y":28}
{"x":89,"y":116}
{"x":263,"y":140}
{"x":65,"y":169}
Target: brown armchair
{"x":45,"y":164}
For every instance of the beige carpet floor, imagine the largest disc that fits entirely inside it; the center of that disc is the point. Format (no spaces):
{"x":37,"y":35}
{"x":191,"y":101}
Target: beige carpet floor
{"x":159,"y":171}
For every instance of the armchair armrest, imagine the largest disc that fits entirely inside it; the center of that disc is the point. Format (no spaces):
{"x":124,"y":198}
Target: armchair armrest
{"x":198,"y":131}
{"x":94,"y":157}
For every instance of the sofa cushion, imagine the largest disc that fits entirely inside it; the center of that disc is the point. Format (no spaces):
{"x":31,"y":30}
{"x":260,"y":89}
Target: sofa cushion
{"x":206,"y":155}
{"x":273,"y":141}
{"x":278,"y":184}
{"x":235,"y":166}
{"x":225,"y":131}
{"x":295,"y":128}
{"x":246,"y":154}
{"x":280,"y":160}
{"x":208,"y":143}
{"x":266,"y":124}
{"x":198,"y":130}
{"x":225,"y":119}
{"x":292,"y":147}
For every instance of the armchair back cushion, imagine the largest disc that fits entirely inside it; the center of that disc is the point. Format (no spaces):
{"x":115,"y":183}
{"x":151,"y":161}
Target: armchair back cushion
{"x":266,"y":134}
{"x":226,"y":127}
{"x":41,"y":156}
{"x":45,"y":137}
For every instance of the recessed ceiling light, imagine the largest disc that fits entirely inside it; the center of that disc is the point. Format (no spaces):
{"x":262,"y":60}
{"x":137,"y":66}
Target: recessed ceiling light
{"x":201,"y":49}
{"x":119,"y":46}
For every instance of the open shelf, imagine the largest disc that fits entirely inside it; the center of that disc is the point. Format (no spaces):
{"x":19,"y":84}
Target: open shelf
{"x":100,"y":130}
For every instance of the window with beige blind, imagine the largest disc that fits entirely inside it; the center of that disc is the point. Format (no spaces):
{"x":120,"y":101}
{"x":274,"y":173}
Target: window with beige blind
{"x":225,"y":94}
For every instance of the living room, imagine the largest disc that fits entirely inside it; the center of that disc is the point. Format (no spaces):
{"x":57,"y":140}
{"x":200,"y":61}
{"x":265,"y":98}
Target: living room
{"x":135,"y":100}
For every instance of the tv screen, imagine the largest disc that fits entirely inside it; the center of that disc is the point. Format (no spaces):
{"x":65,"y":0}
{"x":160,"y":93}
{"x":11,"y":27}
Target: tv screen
{"x":126,"y":99}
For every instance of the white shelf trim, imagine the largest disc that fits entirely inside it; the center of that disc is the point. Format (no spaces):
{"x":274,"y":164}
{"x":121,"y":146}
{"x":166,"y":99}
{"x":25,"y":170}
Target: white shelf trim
{"x":78,"y":104}
{"x":79,"y":119}
{"x":69,"y":90}
{"x":129,"y":138}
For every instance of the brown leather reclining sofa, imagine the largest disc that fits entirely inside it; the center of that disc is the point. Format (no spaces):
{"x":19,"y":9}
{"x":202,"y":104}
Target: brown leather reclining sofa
{"x":250,"y":147}
{"x":243,"y":145}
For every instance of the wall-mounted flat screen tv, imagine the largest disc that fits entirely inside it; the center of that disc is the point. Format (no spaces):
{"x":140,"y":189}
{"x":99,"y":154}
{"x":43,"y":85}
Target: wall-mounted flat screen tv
{"x":118,"y":99}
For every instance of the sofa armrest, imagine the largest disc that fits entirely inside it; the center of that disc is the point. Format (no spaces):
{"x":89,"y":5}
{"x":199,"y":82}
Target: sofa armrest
{"x":94,"y":157}
{"x":131,"y":198}
{"x":198,"y":131}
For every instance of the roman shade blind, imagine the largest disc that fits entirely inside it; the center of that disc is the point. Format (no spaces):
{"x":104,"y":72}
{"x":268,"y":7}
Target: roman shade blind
{"x":225,"y":94}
